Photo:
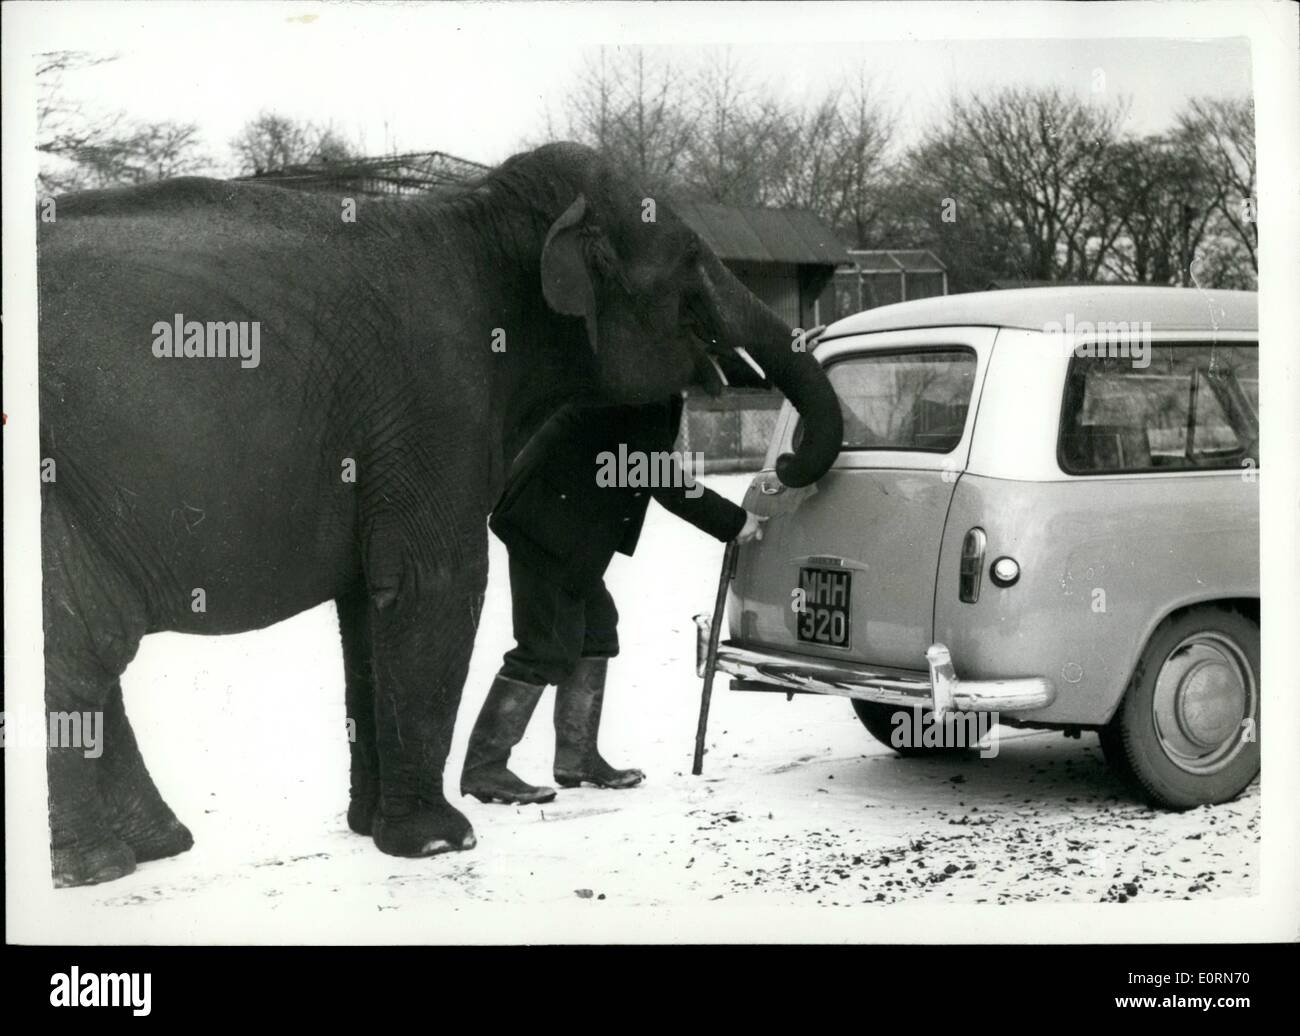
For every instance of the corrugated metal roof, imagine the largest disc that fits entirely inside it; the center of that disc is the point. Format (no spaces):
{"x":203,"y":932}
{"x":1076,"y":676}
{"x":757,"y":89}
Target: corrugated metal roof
{"x":1168,"y":309}
{"x":763,"y":235}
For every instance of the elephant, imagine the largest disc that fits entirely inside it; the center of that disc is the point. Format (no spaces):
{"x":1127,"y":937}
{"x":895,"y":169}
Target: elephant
{"x":251,"y":404}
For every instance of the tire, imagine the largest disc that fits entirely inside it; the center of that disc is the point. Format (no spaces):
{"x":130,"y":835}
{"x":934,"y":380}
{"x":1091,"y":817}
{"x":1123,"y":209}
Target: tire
{"x":879,"y":721}
{"x":1187,"y":732}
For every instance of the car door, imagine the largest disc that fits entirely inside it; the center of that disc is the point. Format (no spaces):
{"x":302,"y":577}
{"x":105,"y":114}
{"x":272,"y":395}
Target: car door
{"x":847,"y":568}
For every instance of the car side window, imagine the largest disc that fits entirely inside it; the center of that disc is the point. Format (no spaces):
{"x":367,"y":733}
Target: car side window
{"x":914,"y":400}
{"x":1192,"y":407}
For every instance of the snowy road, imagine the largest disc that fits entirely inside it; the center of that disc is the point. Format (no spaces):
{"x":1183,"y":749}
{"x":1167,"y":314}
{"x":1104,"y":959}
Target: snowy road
{"x":798,"y":805}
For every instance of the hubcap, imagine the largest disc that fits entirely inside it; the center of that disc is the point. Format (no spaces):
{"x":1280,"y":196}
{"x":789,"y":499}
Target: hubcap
{"x":1204,"y":692}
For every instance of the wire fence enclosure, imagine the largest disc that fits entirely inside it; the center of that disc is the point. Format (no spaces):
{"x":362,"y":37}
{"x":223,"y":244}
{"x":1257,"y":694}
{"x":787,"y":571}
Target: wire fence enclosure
{"x":393,"y":176}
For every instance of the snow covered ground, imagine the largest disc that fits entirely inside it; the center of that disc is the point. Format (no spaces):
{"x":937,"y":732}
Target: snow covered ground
{"x":798,"y":806}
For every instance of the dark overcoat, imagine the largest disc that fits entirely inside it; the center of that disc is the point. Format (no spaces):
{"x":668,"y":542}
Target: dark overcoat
{"x":560,"y":515}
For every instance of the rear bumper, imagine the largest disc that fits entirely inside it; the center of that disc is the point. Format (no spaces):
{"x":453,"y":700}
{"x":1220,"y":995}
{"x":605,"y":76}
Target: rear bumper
{"x":939,"y":689}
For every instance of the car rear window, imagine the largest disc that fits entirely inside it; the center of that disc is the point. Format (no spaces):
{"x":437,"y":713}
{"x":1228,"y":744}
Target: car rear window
{"x":913,"y":400}
{"x":1193,"y":406}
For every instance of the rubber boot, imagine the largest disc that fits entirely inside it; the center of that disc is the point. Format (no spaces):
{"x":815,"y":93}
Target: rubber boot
{"x":500,"y":726}
{"x":578,"y":702}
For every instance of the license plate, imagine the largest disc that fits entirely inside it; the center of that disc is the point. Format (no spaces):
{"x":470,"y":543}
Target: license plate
{"x":825,"y":615}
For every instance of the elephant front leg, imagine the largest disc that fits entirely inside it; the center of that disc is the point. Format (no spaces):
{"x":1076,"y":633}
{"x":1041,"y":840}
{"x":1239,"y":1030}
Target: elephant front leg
{"x":363,"y":748}
{"x":422,"y":649}
{"x":136,"y":810}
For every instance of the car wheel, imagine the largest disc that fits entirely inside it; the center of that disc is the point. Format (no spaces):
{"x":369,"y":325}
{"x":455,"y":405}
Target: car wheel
{"x":1187,"y":732}
{"x":879,"y":721}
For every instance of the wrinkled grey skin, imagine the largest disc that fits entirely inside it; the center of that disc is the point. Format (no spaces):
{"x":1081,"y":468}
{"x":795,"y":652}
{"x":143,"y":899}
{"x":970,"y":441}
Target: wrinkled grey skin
{"x":178,"y":475}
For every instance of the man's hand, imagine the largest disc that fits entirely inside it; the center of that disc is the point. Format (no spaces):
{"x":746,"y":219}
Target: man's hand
{"x":753,"y":529}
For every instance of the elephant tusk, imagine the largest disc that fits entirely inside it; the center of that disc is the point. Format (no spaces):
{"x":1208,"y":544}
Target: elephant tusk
{"x":721,"y":374}
{"x":744,"y":355}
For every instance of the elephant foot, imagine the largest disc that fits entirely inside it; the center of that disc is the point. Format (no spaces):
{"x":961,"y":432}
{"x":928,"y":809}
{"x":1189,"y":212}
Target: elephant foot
{"x":78,"y":865}
{"x":149,"y":827}
{"x":159,"y":841}
{"x":361,"y":813}
{"x":426,"y":830}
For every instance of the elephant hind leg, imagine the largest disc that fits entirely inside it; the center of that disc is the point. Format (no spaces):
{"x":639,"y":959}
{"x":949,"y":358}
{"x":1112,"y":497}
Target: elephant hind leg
{"x":93,"y":622}
{"x":85,"y":849}
{"x":136,"y":810}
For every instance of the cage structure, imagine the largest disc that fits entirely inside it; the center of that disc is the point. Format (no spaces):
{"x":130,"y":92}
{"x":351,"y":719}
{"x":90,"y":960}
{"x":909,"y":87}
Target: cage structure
{"x":390,"y":176}
{"x":878,"y":277}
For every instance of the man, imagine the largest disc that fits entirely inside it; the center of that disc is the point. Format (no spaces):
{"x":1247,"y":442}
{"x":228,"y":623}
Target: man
{"x":562,"y":527}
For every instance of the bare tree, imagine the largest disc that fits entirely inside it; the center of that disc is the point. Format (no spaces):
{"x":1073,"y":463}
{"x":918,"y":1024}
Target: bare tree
{"x":589,"y":105}
{"x":934,"y":201}
{"x":141,"y":154}
{"x":715,"y":134}
{"x":274,"y":141}
{"x":1039,"y":157}
{"x":863,"y":136}
{"x":828,"y":155}
{"x":633,"y":106}
{"x":653,"y":124}
{"x":1027,"y":184}
{"x":83,"y":149}
{"x":1221,"y":133}
{"x":1165,"y":200}
{"x":62,"y":124}
{"x":718,"y":168}
{"x":737,"y":125}
{"x":804,"y":157}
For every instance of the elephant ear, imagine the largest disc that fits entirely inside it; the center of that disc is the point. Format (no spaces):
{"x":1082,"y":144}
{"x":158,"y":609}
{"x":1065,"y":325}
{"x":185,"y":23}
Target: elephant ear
{"x":566,"y":279}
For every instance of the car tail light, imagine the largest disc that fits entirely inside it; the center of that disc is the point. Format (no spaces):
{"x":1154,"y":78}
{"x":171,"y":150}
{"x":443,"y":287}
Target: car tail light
{"x":972,"y":565}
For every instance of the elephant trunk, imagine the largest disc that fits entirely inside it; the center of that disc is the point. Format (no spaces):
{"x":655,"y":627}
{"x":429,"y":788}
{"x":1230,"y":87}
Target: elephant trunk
{"x":744,"y":322}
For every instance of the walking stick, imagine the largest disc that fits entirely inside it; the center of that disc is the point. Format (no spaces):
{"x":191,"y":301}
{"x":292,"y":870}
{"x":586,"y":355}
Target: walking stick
{"x":711,"y":660}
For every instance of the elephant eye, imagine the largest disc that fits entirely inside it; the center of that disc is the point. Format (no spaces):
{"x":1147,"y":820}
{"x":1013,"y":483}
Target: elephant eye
{"x":606,"y":263}
{"x":695,"y":318}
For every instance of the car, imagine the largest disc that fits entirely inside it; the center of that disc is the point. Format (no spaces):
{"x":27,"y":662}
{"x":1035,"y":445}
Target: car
{"x":1045,"y":514}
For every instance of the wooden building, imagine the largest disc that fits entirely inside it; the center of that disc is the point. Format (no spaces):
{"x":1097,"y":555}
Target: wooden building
{"x":787,"y":257}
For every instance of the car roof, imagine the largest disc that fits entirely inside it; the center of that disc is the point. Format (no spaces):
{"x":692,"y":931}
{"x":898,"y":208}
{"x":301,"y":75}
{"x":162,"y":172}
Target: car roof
{"x":1167,"y":309}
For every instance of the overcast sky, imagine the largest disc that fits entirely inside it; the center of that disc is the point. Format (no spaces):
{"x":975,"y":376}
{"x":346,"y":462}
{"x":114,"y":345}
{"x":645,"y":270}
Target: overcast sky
{"x":478,"y":80}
